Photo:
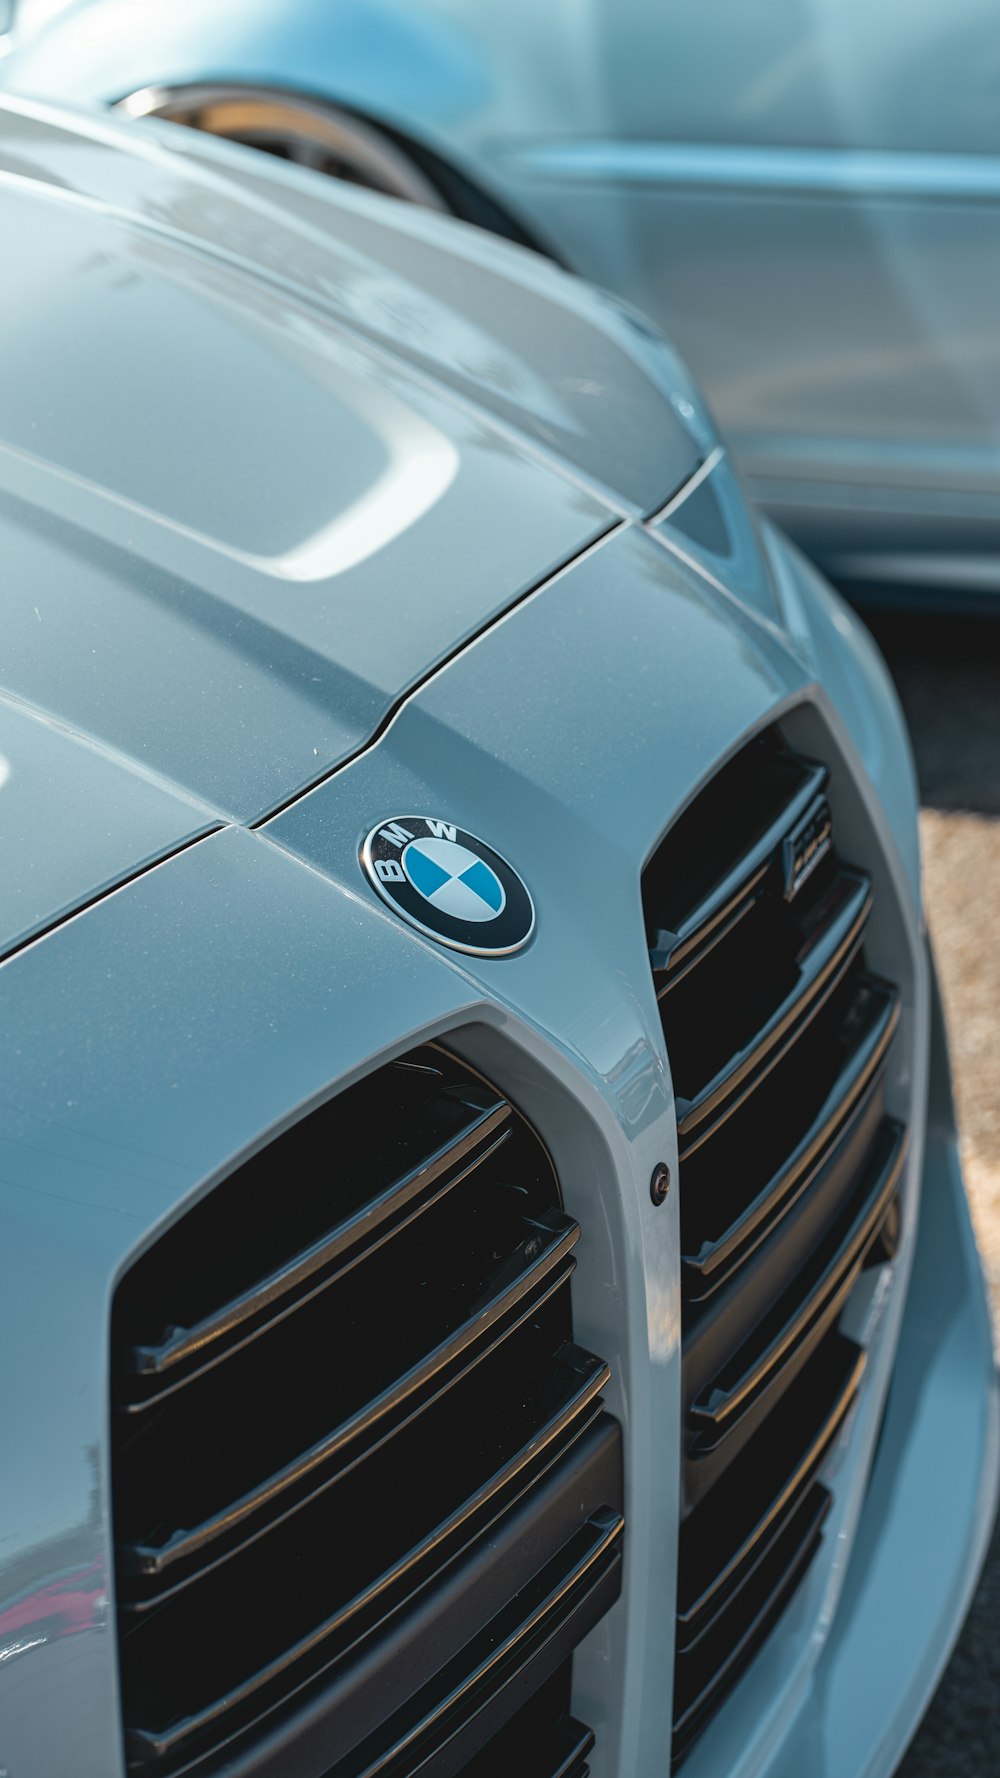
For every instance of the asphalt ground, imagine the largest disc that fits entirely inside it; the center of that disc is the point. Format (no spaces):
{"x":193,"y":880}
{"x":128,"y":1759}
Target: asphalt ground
{"x":947,"y":671}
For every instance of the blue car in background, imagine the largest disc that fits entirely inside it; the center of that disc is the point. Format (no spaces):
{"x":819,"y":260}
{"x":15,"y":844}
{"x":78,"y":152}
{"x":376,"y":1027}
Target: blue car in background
{"x":804,"y":193}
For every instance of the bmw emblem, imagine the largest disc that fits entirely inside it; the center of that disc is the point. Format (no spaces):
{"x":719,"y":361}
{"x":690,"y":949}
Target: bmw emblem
{"x":449,"y":884}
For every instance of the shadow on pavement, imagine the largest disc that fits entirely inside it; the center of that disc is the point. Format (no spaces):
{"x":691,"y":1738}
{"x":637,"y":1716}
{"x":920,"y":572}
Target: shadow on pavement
{"x":947,"y":672}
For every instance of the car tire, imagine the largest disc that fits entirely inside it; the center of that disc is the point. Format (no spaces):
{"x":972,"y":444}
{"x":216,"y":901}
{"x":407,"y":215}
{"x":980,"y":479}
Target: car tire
{"x":310,"y":133}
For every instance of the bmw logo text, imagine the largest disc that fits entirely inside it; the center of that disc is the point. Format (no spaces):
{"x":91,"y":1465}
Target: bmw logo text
{"x":449,"y":884}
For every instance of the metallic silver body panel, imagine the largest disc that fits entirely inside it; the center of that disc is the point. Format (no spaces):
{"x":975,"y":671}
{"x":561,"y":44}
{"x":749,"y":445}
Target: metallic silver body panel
{"x":282,"y":606}
{"x":559,"y":365}
{"x":76,"y":818}
{"x":170,"y":1028}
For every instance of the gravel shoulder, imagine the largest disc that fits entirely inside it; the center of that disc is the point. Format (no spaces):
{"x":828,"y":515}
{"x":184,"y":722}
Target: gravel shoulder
{"x":961,"y":855}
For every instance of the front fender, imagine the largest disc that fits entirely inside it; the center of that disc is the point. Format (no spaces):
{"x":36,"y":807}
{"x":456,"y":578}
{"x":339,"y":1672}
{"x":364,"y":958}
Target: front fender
{"x":464,"y":84}
{"x":407,"y":67}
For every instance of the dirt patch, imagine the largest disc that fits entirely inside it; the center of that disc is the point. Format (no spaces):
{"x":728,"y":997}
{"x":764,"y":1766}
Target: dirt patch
{"x":961,"y":856}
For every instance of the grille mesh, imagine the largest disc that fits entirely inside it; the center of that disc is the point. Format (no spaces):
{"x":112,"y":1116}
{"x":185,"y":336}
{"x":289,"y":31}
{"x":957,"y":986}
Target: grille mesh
{"x":778,"y":1036}
{"x":366,"y":1496}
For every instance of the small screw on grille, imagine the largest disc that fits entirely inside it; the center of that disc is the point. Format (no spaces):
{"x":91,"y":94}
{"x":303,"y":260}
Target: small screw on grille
{"x":659,"y":1185}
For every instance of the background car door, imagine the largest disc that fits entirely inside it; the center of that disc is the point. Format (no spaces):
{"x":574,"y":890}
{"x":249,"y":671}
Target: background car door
{"x":806,"y":195}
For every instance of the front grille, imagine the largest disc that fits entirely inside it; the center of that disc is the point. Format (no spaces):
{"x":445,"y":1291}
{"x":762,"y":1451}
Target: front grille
{"x":366,"y":1496}
{"x":778,"y":1036}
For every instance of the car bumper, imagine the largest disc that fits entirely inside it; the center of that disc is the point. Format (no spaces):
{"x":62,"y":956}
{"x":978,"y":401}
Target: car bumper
{"x":931,"y":1499}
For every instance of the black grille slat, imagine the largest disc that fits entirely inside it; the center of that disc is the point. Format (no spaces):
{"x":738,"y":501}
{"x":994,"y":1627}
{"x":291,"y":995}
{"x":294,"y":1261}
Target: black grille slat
{"x":473,"y":1339}
{"x":354,"y":1654}
{"x":728,"y":837}
{"x":713,"y":1672}
{"x":820,"y":965}
{"x":532,"y":1746}
{"x":256,"y":1307}
{"x":572,"y":1410}
{"x":710,"y":1257}
{"x":788,"y":1528}
{"x":769,"y":1285}
{"x":576,"y":1581}
{"x":780,"y":1043}
{"x":380,"y":1443}
{"x":753,"y":1507}
{"x":756,"y":1373}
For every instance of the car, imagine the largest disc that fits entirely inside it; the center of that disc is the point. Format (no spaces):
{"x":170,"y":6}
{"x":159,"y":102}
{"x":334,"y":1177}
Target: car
{"x":803,"y":197}
{"x":487,"y":1276}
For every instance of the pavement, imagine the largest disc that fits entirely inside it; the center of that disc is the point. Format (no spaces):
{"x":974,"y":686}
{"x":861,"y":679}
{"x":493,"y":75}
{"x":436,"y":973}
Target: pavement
{"x":947,"y":671}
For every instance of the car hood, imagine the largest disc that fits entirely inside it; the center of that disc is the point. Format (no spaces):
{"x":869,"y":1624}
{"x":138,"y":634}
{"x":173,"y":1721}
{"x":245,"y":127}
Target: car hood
{"x":238,"y":522}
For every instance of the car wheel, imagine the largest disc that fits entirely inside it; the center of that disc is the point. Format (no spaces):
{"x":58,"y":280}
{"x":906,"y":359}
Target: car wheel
{"x":314,"y":135}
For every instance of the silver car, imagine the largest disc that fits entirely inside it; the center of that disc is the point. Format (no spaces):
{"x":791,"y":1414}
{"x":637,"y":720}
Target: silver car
{"x":486,"y":1277}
